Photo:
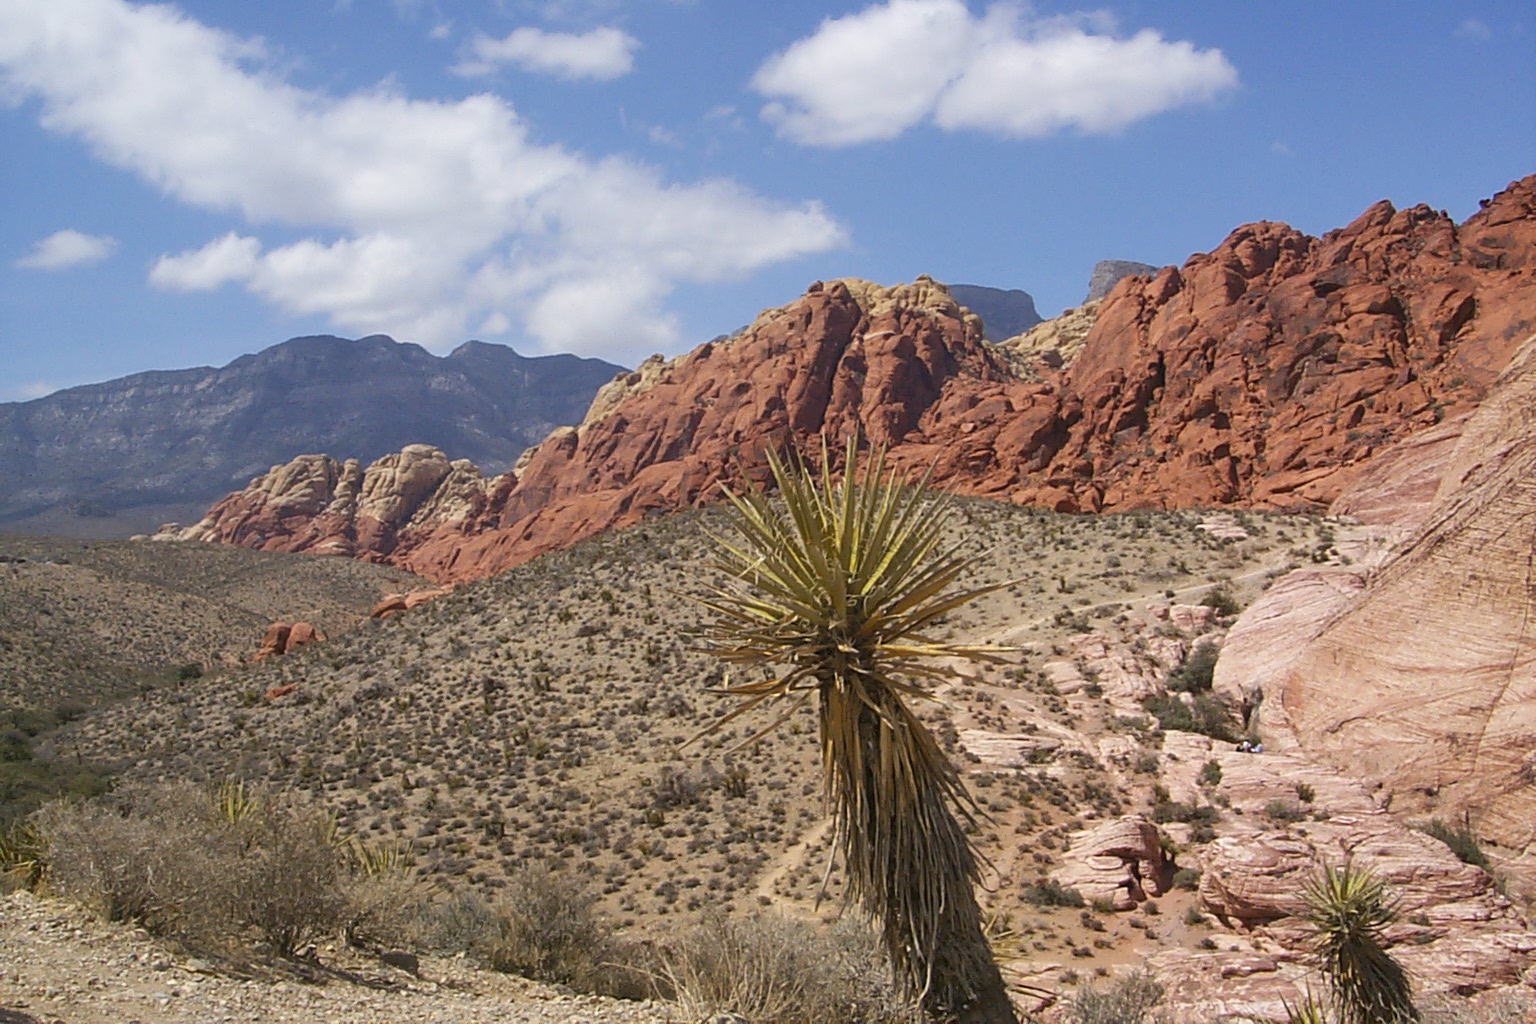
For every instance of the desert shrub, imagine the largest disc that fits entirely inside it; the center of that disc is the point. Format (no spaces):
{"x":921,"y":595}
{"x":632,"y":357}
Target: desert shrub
{"x":1210,"y":773}
{"x":1128,"y":1000}
{"x":780,"y":972}
{"x":146,"y":854}
{"x":1197,"y":672}
{"x":1221,"y":599}
{"x":214,"y":869}
{"x":1205,"y":714}
{"x":1461,"y":841}
{"x":1187,"y":879}
{"x":546,"y":930}
{"x":1050,"y":893}
{"x":465,"y":922}
{"x":290,"y":877}
{"x":1283,"y":813}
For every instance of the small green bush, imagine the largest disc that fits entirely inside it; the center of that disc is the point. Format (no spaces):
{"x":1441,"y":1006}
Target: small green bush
{"x":1205,"y":715}
{"x":1461,"y":841}
{"x":1050,"y":893}
{"x":1187,"y":879}
{"x":1197,"y":672}
{"x":1210,"y":773}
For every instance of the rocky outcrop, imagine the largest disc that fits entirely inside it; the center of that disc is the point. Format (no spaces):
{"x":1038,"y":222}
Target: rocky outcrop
{"x":1107,"y":273}
{"x":1120,"y":861}
{"x":1050,"y":345}
{"x":1267,"y":373}
{"x":1455,"y":932}
{"x":1426,"y":680}
{"x":280,"y":638}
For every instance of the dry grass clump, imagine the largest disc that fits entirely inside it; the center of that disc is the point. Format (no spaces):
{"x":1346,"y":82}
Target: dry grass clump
{"x":221,"y":872}
{"x":1128,"y":1000}
{"x":777,"y":971}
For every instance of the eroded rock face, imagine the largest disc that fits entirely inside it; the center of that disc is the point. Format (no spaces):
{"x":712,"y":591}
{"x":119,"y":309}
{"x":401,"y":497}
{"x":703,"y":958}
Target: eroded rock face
{"x":1267,"y":373}
{"x":1427,"y":679}
{"x":1455,"y":932}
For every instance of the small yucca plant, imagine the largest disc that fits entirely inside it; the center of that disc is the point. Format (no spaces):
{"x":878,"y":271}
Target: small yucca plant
{"x":1349,"y":911}
{"x":836,"y":587}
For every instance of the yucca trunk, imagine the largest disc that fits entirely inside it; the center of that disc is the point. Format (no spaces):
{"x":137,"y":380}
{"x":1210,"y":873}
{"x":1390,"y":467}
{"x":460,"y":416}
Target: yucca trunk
{"x":916,"y":881}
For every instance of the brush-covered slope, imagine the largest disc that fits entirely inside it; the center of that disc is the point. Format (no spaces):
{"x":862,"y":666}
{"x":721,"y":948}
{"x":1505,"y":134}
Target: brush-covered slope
{"x":99,"y":459}
{"x":1267,"y":373}
{"x":85,"y":621}
{"x":539,"y":714}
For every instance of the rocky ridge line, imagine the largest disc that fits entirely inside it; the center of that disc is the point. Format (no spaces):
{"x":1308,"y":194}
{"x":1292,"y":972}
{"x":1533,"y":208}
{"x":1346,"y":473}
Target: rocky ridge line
{"x":1268,"y":373}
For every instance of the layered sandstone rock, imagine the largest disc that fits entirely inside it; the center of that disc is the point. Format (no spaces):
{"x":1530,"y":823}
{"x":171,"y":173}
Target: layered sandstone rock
{"x":1120,"y":861}
{"x":1427,"y":679}
{"x":1267,"y":373}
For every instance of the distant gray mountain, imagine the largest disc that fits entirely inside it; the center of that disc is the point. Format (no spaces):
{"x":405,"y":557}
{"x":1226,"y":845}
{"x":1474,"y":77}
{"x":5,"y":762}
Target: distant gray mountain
{"x":1106,"y":273}
{"x":1004,"y":314}
{"x":105,"y":459}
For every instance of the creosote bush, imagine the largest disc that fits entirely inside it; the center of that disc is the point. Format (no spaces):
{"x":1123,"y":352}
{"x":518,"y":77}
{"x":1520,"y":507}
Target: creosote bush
{"x":217,"y":871}
{"x":776,"y":971}
{"x":1128,"y":1000}
{"x":546,"y":930}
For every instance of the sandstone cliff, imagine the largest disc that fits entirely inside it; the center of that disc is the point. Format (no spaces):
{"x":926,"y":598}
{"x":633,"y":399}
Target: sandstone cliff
{"x":1269,"y":372}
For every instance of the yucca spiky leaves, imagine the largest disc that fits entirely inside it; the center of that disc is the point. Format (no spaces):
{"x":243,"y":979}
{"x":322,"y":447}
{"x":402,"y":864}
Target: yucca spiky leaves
{"x":836,"y":587}
{"x":1349,"y":911}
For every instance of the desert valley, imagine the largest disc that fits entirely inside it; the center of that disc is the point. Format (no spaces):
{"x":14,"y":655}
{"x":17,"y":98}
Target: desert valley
{"x":1260,"y":528}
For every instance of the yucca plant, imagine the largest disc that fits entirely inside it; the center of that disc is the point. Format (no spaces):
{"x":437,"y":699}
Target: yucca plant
{"x":836,"y":587}
{"x":1350,"y":910}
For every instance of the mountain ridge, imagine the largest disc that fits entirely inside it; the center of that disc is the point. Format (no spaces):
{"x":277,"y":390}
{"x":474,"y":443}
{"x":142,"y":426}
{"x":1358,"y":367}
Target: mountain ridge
{"x":167,"y":436}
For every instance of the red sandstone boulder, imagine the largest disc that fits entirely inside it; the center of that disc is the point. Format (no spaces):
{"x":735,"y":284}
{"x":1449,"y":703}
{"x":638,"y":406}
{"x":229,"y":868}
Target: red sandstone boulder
{"x":280,"y":638}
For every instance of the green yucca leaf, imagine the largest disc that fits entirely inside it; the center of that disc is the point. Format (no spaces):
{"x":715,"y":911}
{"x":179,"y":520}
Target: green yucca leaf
{"x":1349,"y":910}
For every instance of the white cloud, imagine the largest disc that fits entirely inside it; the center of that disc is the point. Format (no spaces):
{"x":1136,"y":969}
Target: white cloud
{"x":873,"y":75}
{"x":424,"y":217}
{"x":602,"y":54}
{"x":227,"y":259}
{"x":68,"y":248}
{"x":1474,"y":30}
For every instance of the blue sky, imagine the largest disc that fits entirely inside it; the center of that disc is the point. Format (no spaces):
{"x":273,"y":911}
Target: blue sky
{"x":187,"y":183}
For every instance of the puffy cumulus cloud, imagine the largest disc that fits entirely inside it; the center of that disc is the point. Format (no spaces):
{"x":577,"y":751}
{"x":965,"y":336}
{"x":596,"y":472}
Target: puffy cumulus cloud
{"x":68,"y":248}
{"x":425,"y":218}
{"x":872,"y":75}
{"x":602,"y":54}
{"x":231,"y":258}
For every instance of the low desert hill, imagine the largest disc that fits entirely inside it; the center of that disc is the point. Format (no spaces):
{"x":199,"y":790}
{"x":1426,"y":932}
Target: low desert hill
{"x":1268,"y":373}
{"x":87,"y":621}
{"x":112,"y":459}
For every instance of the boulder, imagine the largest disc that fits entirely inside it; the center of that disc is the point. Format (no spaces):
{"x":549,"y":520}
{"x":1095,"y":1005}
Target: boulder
{"x":1120,"y":861}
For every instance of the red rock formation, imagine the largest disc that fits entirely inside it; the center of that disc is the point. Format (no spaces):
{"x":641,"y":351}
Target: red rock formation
{"x":280,"y":638}
{"x":1267,"y":373}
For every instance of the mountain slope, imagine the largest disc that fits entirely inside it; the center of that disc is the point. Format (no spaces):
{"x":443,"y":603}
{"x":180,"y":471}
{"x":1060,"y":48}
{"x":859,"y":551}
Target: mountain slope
{"x":1003,"y":313}
{"x":179,"y":436}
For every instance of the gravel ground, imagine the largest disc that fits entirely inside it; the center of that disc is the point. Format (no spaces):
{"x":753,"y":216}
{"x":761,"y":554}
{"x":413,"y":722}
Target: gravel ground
{"x":59,"y":965}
